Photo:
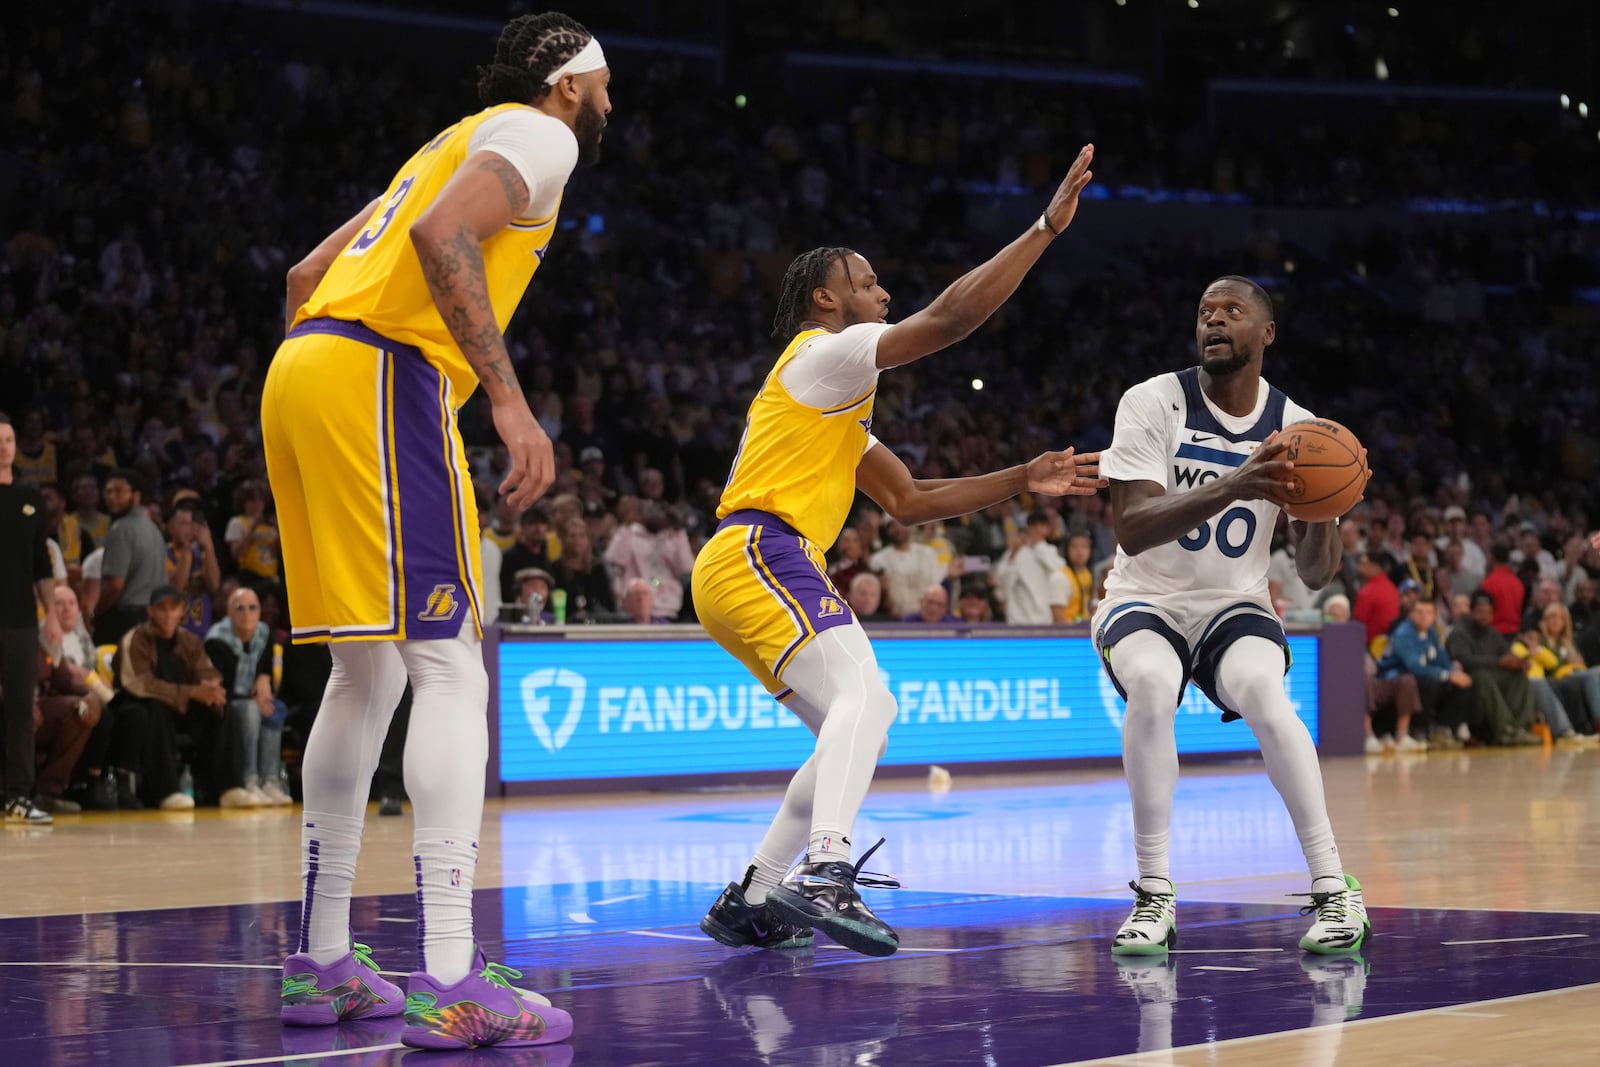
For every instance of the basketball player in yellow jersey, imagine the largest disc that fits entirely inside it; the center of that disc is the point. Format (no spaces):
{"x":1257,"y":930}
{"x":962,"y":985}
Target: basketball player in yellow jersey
{"x":393,"y":321}
{"x":760,"y":583}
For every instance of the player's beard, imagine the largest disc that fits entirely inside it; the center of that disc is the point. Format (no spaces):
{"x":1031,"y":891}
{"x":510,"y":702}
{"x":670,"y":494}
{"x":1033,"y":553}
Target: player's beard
{"x":588,"y":126}
{"x":1225,"y":368}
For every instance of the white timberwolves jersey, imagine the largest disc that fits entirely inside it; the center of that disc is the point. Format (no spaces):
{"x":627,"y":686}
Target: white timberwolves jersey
{"x":1169,"y":433}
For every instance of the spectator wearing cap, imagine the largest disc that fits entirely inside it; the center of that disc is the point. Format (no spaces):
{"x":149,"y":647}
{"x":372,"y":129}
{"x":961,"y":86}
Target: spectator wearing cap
{"x":532,"y":601}
{"x":532,"y":549}
{"x":601,"y":483}
{"x":1377,"y":603}
{"x":135,"y":561}
{"x":650,"y":544}
{"x":1474,"y":562}
{"x":164,"y":668}
{"x":1410,"y":593}
{"x":1503,"y":708}
{"x":1505,"y":589}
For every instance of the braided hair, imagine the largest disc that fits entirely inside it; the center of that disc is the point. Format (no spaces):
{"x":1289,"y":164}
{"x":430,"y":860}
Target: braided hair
{"x":808,"y":271}
{"x":530,"y":49}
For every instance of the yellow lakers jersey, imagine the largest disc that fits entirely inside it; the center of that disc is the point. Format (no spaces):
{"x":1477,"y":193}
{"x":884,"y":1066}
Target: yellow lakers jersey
{"x":798,"y":462}
{"x":377,"y":280}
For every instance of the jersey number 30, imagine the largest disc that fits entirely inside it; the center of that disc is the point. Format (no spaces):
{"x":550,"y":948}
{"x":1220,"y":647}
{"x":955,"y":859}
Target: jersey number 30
{"x":1232,"y":540}
{"x":370,"y":235}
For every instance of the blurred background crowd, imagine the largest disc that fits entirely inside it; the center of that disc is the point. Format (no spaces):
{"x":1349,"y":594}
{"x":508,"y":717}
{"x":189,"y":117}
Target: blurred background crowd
{"x":1426,"y":221}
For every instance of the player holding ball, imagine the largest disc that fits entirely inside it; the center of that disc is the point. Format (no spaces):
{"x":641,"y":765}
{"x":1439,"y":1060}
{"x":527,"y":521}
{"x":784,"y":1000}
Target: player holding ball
{"x":1200,"y":464}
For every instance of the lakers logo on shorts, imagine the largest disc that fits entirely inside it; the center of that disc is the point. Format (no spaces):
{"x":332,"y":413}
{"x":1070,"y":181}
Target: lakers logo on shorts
{"x":828,"y":607}
{"x":442,"y":605}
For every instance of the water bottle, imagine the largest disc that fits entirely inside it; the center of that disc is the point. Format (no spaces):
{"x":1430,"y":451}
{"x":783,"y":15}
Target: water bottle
{"x":186,"y":783}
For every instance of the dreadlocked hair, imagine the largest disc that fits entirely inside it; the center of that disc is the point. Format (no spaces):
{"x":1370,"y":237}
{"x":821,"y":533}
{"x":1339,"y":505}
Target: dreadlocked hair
{"x":808,"y":271}
{"x":530,"y":48}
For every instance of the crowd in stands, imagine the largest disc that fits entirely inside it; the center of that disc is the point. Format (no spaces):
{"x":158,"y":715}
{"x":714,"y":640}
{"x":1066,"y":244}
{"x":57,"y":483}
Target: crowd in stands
{"x":135,"y":330}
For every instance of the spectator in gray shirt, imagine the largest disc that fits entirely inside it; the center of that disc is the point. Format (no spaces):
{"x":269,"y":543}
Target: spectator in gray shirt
{"x":135,"y":563}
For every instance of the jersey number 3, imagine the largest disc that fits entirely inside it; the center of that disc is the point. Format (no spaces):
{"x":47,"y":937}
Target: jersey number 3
{"x":1231,"y":540}
{"x":370,"y":235}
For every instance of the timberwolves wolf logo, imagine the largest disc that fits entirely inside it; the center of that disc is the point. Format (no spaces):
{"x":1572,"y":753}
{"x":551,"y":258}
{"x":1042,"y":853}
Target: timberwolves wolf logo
{"x":828,"y":607}
{"x":442,"y":605}
{"x":536,"y":704}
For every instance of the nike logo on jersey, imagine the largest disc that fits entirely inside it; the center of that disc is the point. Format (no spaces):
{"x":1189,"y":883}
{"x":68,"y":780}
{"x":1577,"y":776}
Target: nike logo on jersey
{"x":1199,"y":437}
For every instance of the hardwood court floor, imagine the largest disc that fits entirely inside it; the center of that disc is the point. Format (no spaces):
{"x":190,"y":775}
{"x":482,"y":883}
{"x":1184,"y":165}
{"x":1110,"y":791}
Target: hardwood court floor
{"x":1481,"y":869}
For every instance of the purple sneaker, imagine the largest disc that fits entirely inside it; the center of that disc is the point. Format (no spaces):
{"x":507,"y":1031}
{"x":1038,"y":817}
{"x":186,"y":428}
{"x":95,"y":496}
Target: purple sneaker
{"x":484,"y":1008}
{"x":348,"y":988}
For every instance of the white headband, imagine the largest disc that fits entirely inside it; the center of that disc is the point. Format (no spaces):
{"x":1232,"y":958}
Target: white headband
{"x":588,"y":58}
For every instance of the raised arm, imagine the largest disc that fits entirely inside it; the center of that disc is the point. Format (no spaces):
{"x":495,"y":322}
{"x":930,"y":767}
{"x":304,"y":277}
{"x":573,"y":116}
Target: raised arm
{"x":884,"y":477}
{"x":973,"y":297}
{"x":304,"y":275}
{"x":480,"y":201}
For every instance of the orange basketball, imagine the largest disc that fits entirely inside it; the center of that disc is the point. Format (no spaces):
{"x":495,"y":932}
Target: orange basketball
{"x":1329,"y":473}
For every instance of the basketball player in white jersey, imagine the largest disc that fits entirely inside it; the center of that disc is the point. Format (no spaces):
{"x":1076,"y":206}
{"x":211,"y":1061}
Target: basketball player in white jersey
{"x":1196,"y":475}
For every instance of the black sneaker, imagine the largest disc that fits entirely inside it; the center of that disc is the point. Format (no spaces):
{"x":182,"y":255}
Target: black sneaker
{"x":823,"y":896}
{"x":736,"y":923}
{"x":23,"y":810}
{"x":58,"y":805}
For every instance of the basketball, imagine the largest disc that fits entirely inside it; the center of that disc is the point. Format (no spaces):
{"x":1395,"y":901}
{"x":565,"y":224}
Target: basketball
{"x":1329,"y":473}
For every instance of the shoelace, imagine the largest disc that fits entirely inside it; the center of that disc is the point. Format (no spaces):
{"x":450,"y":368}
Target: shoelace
{"x":363,"y":956}
{"x":1147,"y":906}
{"x":498,"y":974}
{"x":1330,"y":906}
{"x":872,"y":878}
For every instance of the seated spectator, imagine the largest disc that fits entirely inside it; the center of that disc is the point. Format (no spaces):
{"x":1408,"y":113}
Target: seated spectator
{"x":974,"y":606}
{"x":583,"y":575}
{"x":240,"y":647}
{"x":69,"y":681}
{"x":848,"y":558}
{"x":1505,"y":588}
{"x":1072,"y":591}
{"x":908,"y":567}
{"x":61,"y":726}
{"x":164,"y":669}
{"x":638,"y":603}
{"x":531,"y":549}
{"x":1377,"y":603}
{"x":1546,"y":591}
{"x":1549,"y":706}
{"x":1503,"y":701}
{"x":1418,"y":566}
{"x":1570,"y":667}
{"x":933,"y":608}
{"x":531,"y":604}
{"x":1410,"y":593}
{"x":252,"y":535}
{"x":1418,"y":679}
{"x":865,"y":597}
{"x":192,"y":566}
{"x":1336,"y":608}
{"x":650,"y":544}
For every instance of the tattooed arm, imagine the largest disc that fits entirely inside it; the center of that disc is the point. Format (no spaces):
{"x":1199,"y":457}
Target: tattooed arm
{"x":480,"y":201}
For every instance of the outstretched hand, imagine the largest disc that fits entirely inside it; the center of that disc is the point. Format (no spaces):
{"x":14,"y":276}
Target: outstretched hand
{"x":1065,"y":473}
{"x":1064,"y":205}
{"x":1263,"y":474}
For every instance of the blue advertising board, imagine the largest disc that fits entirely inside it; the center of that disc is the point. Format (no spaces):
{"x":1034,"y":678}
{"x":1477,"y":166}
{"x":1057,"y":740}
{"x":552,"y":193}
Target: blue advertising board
{"x":586,"y":709}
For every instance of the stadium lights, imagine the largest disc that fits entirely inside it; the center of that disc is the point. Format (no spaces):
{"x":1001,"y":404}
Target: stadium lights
{"x":1583,"y":110}
{"x":977,"y":383}
{"x":1194,"y":3}
{"x":1122,"y":3}
{"x":1566,"y":101}
{"x":1381,"y":69}
{"x":1394,"y":12}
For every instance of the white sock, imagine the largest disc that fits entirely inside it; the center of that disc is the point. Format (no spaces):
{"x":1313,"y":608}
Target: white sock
{"x":790,"y":827}
{"x":1250,"y":677}
{"x":329,"y":845}
{"x":341,"y":754}
{"x":445,"y":862}
{"x":447,"y":748}
{"x":763,"y":876}
{"x":1151,"y":673}
{"x":837,"y":674}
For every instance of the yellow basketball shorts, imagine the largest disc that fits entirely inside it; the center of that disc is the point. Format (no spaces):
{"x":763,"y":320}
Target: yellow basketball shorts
{"x":762,"y":592}
{"x":376,"y":513}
